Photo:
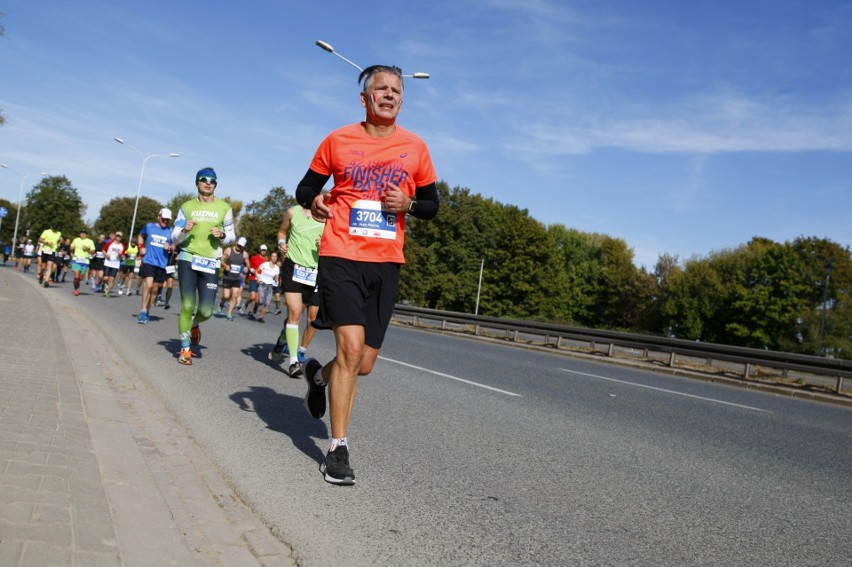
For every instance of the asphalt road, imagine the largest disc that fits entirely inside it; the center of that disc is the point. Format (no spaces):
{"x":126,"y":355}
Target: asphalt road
{"x":472,"y":453}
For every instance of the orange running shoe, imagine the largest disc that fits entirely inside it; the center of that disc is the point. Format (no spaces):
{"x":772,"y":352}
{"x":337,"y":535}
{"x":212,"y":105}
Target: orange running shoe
{"x":185,"y":357}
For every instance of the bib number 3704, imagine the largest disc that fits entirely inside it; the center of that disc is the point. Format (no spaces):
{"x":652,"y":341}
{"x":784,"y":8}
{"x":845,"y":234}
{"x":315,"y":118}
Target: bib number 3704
{"x":367,"y":219}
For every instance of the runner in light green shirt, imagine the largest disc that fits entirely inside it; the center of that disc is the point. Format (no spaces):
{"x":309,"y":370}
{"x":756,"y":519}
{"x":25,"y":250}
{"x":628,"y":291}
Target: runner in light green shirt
{"x":81,"y":247}
{"x":128,"y":265}
{"x":49,"y":240}
{"x":204,"y":226}
{"x":298,"y":240}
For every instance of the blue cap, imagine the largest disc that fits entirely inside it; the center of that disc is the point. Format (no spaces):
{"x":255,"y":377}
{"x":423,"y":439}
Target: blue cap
{"x":206,"y":172}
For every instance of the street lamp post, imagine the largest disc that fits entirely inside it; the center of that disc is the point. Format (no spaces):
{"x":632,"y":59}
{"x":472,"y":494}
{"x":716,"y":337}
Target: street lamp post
{"x":327,"y":47}
{"x":20,"y":198}
{"x":479,"y":287}
{"x":141,"y":175}
{"x":828,"y":268}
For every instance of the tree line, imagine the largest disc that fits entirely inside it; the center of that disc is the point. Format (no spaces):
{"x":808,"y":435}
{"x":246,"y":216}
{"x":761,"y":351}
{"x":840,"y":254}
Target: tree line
{"x":793,"y":296}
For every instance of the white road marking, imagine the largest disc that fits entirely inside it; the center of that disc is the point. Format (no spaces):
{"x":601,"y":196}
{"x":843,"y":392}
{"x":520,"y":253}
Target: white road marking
{"x":664,"y":390}
{"x":451,"y":377}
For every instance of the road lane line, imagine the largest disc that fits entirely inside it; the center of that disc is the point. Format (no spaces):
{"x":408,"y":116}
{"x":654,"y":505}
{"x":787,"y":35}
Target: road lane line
{"x":664,"y":390}
{"x":451,"y":377}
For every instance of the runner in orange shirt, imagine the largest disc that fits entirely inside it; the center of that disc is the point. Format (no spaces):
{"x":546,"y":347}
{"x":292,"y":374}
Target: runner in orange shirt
{"x":381,"y":173}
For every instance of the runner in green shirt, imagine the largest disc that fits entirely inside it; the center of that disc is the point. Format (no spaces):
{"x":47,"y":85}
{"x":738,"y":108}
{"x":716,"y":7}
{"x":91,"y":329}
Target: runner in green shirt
{"x":126,"y":273}
{"x":298,"y":240}
{"x":49,"y":240}
{"x":81,"y":248}
{"x":204,"y":226}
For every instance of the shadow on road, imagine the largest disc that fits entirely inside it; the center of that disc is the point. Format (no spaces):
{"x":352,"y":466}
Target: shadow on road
{"x":260,"y":353}
{"x":286,"y":415}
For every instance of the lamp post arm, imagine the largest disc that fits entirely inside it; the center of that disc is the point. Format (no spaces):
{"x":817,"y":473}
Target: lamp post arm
{"x":325,"y":46}
{"x":138,"y":193}
{"x":139,"y":188}
{"x":141,"y":177}
{"x":18,"y":212}
{"x":347,"y":60}
{"x":21,"y":203}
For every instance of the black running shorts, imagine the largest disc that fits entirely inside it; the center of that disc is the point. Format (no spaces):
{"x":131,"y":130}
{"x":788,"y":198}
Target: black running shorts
{"x":149,"y":271}
{"x":358,"y":293}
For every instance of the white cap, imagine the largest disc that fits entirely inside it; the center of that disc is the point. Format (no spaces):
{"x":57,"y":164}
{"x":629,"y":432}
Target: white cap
{"x":263,"y":247}
{"x":165,"y":213}
{"x":241,"y":241}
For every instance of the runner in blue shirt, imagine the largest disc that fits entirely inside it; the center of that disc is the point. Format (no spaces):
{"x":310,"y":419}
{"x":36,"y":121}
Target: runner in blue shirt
{"x":155,"y":244}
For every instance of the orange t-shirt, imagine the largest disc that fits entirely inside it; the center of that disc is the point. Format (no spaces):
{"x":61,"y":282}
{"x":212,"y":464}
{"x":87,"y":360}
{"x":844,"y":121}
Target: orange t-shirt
{"x":361,"y":164}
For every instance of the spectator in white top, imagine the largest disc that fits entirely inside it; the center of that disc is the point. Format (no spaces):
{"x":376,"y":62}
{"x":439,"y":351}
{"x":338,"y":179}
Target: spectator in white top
{"x":267,"y":279}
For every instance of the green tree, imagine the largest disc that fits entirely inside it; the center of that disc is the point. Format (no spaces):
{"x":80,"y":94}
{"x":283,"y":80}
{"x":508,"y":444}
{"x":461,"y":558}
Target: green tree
{"x":237,"y":208}
{"x":580,"y":256}
{"x":8,"y":226}
{"x":53,"y":201}
{"x":174,"y":204}
{"x":527,"y":273}
{"x":117,"y":215}
{"x":767,"y":298}
{"x":828,"y":309}
{"x":692,"y":298}
{"x":656,"y":320}
{"x":644,"y":316}
{"x":838,"y":323}
{"x":260,"y":222}
{"x":443,"y":255}
{"x":422,"y":270}
{"x":617,"y":304}
{"x":751,"y":296}
{"x":522,"y":277}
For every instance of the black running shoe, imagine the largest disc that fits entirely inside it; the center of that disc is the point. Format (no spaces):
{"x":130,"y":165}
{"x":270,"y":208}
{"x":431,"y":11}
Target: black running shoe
{"x":278,"y":352}
{"x":336,"y":467}
{"x":295,"y":370}
{"x":315,"y":398}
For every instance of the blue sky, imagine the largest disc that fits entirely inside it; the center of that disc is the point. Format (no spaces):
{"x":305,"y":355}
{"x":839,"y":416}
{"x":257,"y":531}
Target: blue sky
{"x":681,"y":127}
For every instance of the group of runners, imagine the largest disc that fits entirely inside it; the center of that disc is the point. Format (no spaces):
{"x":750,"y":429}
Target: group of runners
{"x":351,"y":235}
{"x":50,"y":253}
{"x":104,"y":262}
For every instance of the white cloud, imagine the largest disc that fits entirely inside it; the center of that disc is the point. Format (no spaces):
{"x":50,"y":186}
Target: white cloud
{"x":705,"y":125}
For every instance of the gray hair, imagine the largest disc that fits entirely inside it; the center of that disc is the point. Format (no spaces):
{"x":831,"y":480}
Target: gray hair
{"x":368,"y":73}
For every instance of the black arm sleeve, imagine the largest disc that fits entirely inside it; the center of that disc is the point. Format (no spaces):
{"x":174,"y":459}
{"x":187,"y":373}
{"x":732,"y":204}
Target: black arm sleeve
{"x":309,"y":187}
{"x":425,"y":205}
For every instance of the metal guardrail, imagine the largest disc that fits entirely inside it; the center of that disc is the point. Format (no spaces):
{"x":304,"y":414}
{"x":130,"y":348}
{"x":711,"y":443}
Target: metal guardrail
{"x":748,"y":357}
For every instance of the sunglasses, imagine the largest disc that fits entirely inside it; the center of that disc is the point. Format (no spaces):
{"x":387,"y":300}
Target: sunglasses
{"x":206,"y":179}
